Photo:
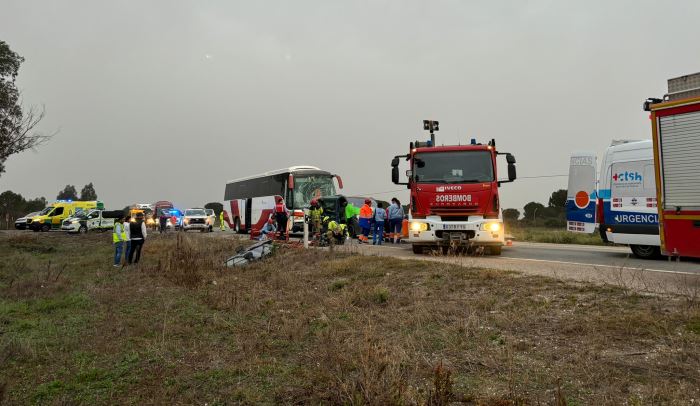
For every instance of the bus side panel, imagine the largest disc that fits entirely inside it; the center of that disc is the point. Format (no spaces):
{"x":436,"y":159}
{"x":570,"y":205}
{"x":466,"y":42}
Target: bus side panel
{"x":232,"y":210}
{"x":262,"y":210}
{"x":682,"y":233}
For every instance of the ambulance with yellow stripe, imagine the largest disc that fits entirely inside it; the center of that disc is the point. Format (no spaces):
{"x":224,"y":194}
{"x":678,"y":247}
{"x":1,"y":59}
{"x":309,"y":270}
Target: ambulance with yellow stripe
{"x":51,"y":218}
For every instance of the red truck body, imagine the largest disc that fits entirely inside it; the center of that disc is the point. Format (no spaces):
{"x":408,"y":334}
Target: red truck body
{"x":675,"y":126}
{"x":454,"y":195}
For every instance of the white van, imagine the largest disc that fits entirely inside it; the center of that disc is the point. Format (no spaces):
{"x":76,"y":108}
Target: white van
{"x":621,"y":201}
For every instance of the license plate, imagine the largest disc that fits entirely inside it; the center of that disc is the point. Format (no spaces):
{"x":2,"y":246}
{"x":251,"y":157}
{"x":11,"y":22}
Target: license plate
{"x":454,"y":227}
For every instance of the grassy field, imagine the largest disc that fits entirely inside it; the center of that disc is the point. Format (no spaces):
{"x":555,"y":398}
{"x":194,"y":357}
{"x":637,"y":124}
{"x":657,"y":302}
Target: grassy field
{"x":313,"y":327}
{"x":552,"y":235}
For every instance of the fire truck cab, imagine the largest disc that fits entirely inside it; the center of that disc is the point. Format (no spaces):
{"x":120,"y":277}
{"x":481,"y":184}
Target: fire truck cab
{"x":454,"y":194}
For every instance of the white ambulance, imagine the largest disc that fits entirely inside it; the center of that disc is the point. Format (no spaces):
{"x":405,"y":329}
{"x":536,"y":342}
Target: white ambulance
{"x":620,"y":200}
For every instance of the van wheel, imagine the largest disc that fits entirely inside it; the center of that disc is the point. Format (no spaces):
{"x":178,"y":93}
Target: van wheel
{"x":495,"y":250}
{"x":83,"y":230}
{"x":45,"y":227}
{"x":645,"y":251}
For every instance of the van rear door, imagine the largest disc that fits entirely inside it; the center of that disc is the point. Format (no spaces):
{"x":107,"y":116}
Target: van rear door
{"x":581,"y":193}
{"x":633,"y":207}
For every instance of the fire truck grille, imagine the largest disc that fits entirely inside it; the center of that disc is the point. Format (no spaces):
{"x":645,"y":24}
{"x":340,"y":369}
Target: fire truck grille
{"x":454,"y":212}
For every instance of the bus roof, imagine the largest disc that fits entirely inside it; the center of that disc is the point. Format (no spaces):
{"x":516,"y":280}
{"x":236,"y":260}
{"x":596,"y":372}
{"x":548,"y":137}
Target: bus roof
{"x":292,"y":169}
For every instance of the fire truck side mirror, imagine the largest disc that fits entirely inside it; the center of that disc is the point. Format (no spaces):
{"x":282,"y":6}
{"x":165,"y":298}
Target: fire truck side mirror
{"x":511,"y":172}
{"x":395,"y":162}
{"x":510,"y":159}
{"x":395,"y":173}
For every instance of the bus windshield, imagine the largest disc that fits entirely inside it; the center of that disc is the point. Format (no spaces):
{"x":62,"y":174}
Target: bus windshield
{"x":310,"y":187}
{"x":453,"y":167}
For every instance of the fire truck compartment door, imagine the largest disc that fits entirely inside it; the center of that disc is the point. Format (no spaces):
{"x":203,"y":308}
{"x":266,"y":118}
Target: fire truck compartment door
{"x":679,"y":138}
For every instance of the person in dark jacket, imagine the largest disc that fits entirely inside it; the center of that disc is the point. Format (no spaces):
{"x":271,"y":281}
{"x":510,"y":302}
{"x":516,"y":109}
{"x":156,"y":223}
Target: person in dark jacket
{"x":138,"y":235}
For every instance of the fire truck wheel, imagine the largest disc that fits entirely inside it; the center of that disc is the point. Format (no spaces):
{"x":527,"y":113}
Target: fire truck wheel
{"x":645,"y":251}
{"x":495,"y":250}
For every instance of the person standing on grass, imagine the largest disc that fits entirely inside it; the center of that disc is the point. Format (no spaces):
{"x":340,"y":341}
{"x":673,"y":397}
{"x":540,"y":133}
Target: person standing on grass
{"x":138,"y":237}
{"x":163,"y":221}
{"x":222,"y":225}
{"x":127,"y":232}
{"x":379,"y":219}
{"x":118,"y":238}
{"x":395,"y":212}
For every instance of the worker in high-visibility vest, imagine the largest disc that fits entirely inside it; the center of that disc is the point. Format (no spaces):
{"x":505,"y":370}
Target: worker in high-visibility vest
{"x":222,"y":225}
{"x":336,"y":233}
{"x":365,"y":220}
{"x":315,"y":213}
{"x":118,"y":239}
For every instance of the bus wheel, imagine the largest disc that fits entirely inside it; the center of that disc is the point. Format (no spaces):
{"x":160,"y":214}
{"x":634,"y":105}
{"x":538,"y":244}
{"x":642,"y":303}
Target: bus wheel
{"x":45,"y":227}
{"x":645,"y":251}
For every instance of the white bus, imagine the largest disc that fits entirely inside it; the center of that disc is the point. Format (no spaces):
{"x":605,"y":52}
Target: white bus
{"x":249,"y":202}
{"x":621,"y":202}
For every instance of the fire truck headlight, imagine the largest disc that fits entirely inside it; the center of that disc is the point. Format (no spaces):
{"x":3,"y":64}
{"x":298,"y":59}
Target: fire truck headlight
{"x":416,"y":226}
{"x":492,"y":227}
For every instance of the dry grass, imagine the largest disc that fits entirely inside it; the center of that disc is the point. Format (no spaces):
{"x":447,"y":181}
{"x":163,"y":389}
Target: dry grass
{"x":318,"y":327}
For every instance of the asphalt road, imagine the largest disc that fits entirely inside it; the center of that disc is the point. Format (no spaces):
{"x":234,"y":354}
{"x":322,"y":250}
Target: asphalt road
{"x":596,"y":264}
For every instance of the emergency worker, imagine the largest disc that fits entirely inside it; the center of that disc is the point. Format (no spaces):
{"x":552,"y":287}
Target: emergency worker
{"x":336,"y":233}
{"x":281,"y":215}
{"x":365,"y":220}
{"x":222,"y":225}
{"x":315,"y":213}
{"x":138,"y":234}
{"x":118,"y":238}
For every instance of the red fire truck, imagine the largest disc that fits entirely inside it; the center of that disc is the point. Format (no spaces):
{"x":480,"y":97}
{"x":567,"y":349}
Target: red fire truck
{"x":454,"y":194}
{"x":675,"y":129}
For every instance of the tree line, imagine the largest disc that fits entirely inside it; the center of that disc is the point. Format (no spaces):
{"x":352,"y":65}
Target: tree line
{"x":537,"y":214}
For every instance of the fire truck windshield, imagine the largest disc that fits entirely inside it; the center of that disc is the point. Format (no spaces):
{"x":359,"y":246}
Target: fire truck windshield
{"x":309,"y":187}
{"x":453,"y":167}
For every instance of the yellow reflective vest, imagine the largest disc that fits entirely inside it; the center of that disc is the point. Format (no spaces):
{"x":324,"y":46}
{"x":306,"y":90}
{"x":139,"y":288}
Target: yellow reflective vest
{"x":118,"y":236}
{"x":316,"y":213}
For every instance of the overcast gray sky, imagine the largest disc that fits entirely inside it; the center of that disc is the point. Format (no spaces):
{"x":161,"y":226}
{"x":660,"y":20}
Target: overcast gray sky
{"x":170,"y":99}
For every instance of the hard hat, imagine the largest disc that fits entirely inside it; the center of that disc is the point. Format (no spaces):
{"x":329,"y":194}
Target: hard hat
{"x":367,"y":201}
